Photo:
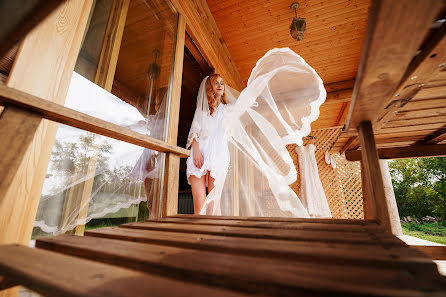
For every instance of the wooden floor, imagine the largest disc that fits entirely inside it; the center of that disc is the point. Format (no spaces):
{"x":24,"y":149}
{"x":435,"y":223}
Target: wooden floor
{"x":225,"y":256}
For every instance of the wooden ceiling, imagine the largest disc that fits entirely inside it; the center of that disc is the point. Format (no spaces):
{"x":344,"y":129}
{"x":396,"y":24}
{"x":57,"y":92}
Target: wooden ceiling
{"x":332,"y":43}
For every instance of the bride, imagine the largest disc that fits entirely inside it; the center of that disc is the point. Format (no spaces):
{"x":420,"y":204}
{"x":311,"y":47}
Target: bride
{"x":238,"y":139}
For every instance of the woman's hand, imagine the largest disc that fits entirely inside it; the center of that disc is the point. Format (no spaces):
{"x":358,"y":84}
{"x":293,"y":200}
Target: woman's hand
{"x":198,"y":157}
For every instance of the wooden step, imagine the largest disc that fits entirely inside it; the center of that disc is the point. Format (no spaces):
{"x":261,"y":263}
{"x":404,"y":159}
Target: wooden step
{"x":317,"y":226}
{"x":226,"y":256}
{"x":334,"y":253}
{"x":248,"y":274}
{"x":276,"y":233}
{"x":54,"y":274}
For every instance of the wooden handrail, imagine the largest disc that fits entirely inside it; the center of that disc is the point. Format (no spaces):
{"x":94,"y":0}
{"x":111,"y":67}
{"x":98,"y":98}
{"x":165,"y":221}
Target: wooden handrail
{"x":58,"y":113}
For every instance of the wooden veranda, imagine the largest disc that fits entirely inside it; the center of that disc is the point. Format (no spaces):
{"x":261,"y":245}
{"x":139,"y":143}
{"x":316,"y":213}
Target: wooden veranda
{"x":386,"y":99}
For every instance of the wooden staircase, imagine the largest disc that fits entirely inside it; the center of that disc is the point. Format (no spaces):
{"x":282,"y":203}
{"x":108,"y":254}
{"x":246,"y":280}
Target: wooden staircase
{"x":225,"y":256}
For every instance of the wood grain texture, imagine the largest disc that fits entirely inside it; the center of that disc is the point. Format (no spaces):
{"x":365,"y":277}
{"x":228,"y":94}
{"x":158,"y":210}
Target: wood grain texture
{"x":171,"y":184}
{"x":235,"y":271}
{"x":205,"y":33}
{"x":373,"y":176}
{"x":18,"y":18}
{"x":413,"y":151}
{"x":387,"y":52}
{"x":108,"y":59}
{"x":46,"y":273}
{"x":433,"y":252}
{"x":338,"y":253}
{"x":282,"y":234}
{"x":58,"y":113}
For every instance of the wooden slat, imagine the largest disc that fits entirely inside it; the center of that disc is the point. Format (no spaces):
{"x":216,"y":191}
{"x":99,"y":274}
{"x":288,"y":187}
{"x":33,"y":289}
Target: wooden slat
{"x":436,"y":137}
{"x":19,"y":17}
{"x":53,"y":274}
{"x":58,"y":113}
{"x":284,"y":234}
{"x":236,"y":271}
{"x":432,"y":251}
{"x":279,"y":219}
{"x":414,"y":151}
{"x":273,"y":225}
{"x":20,"y":131}
{"x":335,"y":253}
{"x":387,"y":52}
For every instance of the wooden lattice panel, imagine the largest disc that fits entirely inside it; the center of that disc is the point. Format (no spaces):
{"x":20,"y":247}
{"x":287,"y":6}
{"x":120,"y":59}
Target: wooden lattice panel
{"x":342,"y":185}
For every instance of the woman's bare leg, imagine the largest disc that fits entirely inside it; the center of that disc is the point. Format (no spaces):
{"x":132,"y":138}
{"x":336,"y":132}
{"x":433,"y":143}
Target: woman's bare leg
{"x":198,"y":185}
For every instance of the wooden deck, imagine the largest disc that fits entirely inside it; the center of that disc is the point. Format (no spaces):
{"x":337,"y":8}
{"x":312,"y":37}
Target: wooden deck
{"x":225,"y":256}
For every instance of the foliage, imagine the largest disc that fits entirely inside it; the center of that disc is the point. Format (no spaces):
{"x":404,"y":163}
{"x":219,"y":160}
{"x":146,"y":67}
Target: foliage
{"x":420,"y":186}
{"x":435,"y":232}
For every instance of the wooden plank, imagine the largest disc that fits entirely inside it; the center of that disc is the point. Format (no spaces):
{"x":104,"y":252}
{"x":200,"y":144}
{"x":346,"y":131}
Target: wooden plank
{"x":436,"y":137}
{"x":387,"y":52}
{"x":279,"y":219}
{"x":293,"y":235}
{"x":112,"y":42}
{"x":52,"y":274}
{"x":5,"y":284}
{"x":204,"y":31}
{"x":171,"y":184}
{"x":18,"y":18}
{"x":373,"y":177}
{"x":19,"y":129}
{"x":413,"y":151}
{"x":236,"y":271}
{"x":432,"y":251}
{"x":340,"y":85}
{"x":172,"y":166}
{"x":335,"y":253}
{"x":273,"y":225}
{"x":58,"y":113}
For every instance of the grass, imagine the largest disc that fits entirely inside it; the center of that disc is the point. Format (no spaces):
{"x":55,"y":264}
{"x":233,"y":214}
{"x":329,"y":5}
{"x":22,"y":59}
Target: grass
{"x":435,"y":232}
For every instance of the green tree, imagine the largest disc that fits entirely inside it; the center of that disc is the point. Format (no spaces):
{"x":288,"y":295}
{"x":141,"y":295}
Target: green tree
{"x":420,"y":186}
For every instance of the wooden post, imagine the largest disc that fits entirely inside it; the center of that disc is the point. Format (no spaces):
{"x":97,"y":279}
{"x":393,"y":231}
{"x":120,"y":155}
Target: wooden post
{"x":104,"y":77}
{"x":368,"y":204}
{"x":395,"y":222}
{"x":172,"y":162}
{"x":373,"y":176}
{"x":43,"y":67}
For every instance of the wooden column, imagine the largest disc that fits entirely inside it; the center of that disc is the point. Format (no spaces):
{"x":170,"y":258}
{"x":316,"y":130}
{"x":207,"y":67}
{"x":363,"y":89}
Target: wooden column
{"x":104,"y":77}
{"x":172,"y":162}
{"x":43,"y":67}
{"x":395,"y":222}
{"x":372,"y":174}
{"x":368,"y":204}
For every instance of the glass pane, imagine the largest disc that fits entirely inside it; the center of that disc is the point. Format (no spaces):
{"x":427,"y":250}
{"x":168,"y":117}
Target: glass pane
{"x":122,"y":75}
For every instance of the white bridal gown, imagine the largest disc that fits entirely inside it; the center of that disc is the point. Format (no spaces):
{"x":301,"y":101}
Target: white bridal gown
{"x":312,"y":193}
{"x":281,"y":100}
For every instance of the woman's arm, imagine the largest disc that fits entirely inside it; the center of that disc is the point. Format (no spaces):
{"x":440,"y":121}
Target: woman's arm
{"x":198,"y":156}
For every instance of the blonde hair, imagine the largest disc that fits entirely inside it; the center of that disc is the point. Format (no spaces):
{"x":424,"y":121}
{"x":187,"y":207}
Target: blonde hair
{"x":212,"y":101}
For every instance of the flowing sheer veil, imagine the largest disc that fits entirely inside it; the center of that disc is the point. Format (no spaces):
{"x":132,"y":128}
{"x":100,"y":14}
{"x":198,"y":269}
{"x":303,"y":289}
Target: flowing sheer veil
{"x":282,"y":98}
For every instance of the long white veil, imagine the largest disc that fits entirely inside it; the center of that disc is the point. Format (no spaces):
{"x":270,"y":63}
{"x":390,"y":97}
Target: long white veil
{"x":282,"y":98}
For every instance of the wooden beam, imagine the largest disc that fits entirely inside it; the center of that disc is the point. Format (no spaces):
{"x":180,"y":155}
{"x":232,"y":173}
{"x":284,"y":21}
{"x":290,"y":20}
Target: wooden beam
{"x":395,"y":223}
{"x":169,"y":204}
{"x":395,"y":32}
{"x":413,"y":151}
{"x":58,"y":113}
{"x":373,"y":176}
{"x":43,"y":67}
{"x":112,"y":42}
{"x":435,"y":252}
{"x":19,"y":17}
{"x":203,"y":29}
{"x":340,"y":85}
{"x":436,"y":137}
{"x":368,"y":205}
